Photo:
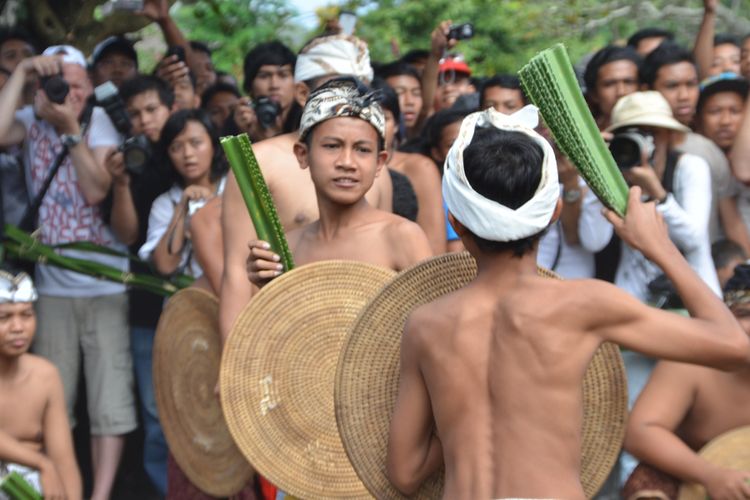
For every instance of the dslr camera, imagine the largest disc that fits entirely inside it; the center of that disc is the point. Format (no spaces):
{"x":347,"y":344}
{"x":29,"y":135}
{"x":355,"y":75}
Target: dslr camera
{"x":55,"y":87}
{"x":267,"y":111}
{"x":136,"y":148}
{"x":630,"y":145}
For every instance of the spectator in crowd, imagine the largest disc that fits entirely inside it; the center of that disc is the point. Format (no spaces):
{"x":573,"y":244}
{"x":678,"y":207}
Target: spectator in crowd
{"x":671,"y":70}
{"x":268,"y":76}
{"x":322,"y":59}
{"x":417,"y":58}
{"x":76,"y":312}
{"x":715,"y":53}
{"x":35,"y":438}
{"x":645,"y":40}
{"x":202,"y":66}
{"x":503,"y":93}
{"x":219,"y":100}
{"x":16,"y":46}
{"x":683,"y":407}
{"x":115,"y":60}
{"x":14,"y":198}
{"x":404,"y":79}
{"x":148,"y":101}
{"x":610,"y":74}
{"x":745,"y":56}
{"x":727,"y":255}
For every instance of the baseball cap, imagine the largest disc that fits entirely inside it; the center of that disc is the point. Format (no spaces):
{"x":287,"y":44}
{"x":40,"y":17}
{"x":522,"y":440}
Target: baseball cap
{"x":723,"y":82}
{"x":111,"y":44}
{"x":71,"y":55}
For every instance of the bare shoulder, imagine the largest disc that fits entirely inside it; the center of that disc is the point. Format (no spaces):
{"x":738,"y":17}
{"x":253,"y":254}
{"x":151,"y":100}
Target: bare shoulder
{"x":407,"y":239}
{"x":275,"y":151}
{"x":432,"y":319}
{"x":43,"y":373}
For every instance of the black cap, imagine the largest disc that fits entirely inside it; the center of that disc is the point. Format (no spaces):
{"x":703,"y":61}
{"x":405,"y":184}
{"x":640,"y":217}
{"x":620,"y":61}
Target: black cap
{"x":114,"y":44}
{"x":724,"y":82}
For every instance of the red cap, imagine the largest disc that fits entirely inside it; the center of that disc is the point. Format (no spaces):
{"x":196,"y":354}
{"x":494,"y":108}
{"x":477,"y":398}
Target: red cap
{"x":457,"y":65}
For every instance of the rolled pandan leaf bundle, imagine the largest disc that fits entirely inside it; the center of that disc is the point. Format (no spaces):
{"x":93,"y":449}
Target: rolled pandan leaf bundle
{"x":257,"y":196}
{"x":17,"y":488}
{"x":551,"y":84}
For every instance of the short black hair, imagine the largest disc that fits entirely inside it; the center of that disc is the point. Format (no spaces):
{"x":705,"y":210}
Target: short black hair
{"x":666,"y":54}
{"x":726,"y":38}
{"x":433,"y":128}
{"x":505,"y":167}
{"x":504,"y":81}
{"x":144,"y":83}
{"x":272,"y":53}
{"x":609,"y":54}
{"x":200,"y":47}
{"x":387,"y":98}
{"x":415,"y":55}
{"x":18,"y":34}
{"x":217,"y":88}
{"x":174,"y":126}
{"x":726,"y":250}
{"x":397,"y":68}
{"x":651,"y":32}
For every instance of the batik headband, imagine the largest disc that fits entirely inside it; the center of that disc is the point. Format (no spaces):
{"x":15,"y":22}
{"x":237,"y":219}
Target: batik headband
{"x":15,"y":289}
{"x":487,"y":218}
{"x":341,"y":98}
{"x":737,"y":289}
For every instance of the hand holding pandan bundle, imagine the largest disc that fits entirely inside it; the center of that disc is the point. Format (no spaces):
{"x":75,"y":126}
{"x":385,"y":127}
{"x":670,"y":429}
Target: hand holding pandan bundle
{"x":551,"y":84}
{"x":270,"y":256}
{"x":17,"y":488}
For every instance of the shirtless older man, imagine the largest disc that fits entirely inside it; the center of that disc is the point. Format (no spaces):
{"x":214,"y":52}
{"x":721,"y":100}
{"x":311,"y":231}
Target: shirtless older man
{"x":491,"y":375}
{"x":291,"y":187}
{"x":35,"y":438}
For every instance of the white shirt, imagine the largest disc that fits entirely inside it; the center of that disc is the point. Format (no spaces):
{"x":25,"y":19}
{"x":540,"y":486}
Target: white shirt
{"x":162,"y":211}
{"x":64,"y":215}
{"x":686,"y":212}
{"x":594,"y":232}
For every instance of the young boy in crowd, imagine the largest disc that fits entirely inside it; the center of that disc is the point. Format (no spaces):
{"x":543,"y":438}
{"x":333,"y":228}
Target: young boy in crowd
{"x":491,"y":374}
{"x":685,"y":406}
{"x":35,"y":438}
{"x":342,"y":143}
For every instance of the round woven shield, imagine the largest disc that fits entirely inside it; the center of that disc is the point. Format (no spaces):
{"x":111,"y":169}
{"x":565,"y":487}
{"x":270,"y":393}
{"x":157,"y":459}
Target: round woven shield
{"x":368,"y":372}
{"x":187,"y":355}
{"x":278,"y":372}
{"x":730,"y":450}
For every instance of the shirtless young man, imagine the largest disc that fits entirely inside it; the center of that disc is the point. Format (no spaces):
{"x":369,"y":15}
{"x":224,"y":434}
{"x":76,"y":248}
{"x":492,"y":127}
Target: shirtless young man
{"x":685,"y":406}
{"x":291,"y":187}
{"x":35,"y":438}
{"x":491,"y":374}
{"x":342,"y":143}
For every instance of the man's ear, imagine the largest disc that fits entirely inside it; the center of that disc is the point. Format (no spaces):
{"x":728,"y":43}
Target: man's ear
{"x":459,"y":228}
{"x":557,"y":212}
{"x":300,"y":151}
{"x":382,"y":161}
{"x":301,"y":93}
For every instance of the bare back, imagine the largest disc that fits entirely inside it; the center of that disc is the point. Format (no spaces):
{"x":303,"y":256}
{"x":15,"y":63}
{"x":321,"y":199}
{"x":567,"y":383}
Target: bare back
{"x":504,"y":373}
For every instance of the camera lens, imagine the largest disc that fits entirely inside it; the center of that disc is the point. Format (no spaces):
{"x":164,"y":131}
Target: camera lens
{"x":266,"y":111}
{"x":625,"y":151}
{"x":56,"y":88}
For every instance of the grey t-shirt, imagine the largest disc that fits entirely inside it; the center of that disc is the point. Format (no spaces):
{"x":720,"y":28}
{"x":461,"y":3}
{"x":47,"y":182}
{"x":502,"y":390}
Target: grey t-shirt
{"x":13,"y":186}
{"x":721,"y":176}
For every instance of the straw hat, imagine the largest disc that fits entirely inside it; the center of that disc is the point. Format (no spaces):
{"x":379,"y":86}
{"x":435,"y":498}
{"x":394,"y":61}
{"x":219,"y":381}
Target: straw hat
{"x":731,"y":450}
{"x":278,"y":372}
{"x":648,"y":108}
{"x":367,"y":381}
{"x":187,"y":353}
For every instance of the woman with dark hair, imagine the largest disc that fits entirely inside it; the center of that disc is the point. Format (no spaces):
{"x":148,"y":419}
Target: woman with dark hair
{"x":189,"y":149}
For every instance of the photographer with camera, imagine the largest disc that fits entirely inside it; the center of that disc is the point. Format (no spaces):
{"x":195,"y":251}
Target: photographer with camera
{"x":76,"y":313}
{"x":680,"y":183}
{"x":140,"y":111}
{"x":271,"y":109}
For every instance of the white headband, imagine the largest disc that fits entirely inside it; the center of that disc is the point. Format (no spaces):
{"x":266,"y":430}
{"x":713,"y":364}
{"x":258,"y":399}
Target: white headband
{"x":489,"y":219}
{"x":15,"y":289}
{"x":338,"y":55}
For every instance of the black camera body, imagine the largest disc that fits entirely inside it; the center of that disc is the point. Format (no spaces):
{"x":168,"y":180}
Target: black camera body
{"x":137,"y":148}
{"x":628,"y":147}
{"x":461,"y":31}
{"x":55,"y":87}
{"x":267,"y":111}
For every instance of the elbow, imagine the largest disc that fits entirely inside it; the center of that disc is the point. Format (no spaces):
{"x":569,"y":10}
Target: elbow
{"x":740,"y":352}
{"x":401,"y":479}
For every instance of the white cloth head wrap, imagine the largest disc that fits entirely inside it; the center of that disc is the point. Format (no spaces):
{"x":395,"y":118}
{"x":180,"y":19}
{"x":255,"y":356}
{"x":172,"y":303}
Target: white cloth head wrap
{"x":339,"y":98}
{"x":489,"y":219}
{"x":339,"y":55}
{"x":15,"y":289}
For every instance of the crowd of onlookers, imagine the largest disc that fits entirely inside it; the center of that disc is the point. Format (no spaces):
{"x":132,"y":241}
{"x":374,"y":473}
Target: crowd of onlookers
{"x":140,"y":170}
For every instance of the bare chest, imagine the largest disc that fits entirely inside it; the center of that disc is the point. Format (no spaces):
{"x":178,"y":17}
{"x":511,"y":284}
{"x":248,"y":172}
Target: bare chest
{"x":294,"y":197}
{"x":357,"y":247}
{"x":22,"y":412}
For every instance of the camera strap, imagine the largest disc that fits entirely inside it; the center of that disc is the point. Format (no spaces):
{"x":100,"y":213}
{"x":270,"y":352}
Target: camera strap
{"x":28,"y":221}
{"x":667,"y":180}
